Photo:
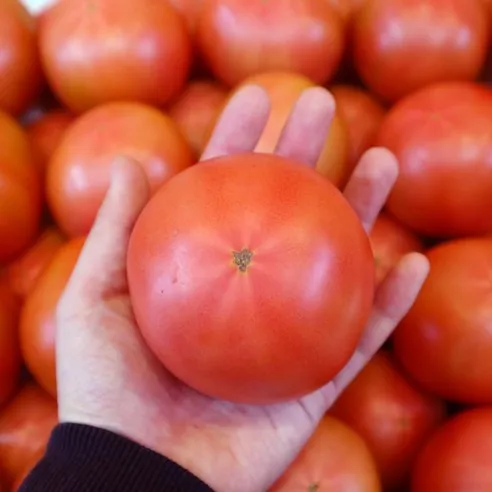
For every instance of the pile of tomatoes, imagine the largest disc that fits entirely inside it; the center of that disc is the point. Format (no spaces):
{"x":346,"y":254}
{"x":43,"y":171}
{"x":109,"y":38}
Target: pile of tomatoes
{"x":85,"y":81}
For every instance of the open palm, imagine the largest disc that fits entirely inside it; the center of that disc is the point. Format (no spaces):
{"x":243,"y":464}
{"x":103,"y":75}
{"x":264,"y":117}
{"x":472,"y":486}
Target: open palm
{"x":108,"y":378}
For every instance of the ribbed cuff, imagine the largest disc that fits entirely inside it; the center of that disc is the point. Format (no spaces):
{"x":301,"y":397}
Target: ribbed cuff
{"x":88,"y":459}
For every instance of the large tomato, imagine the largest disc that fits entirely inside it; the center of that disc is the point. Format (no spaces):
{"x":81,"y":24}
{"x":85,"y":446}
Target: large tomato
{"x":25,"y":427}
{"x":445,"y":341}
{"x":457,"y":456}
{"x":196,"y":112}
{"x":284,"y":90}
{"x":277,"y":268}
{"x":362,"y":114}
{"x":442,"y":137}
{"x":238,"y":39}
{"x":37,"y":323}
{"x":393,"y":415}
{"x":112,"y":51}
{"x":21,"y":78}
{"x":400,"y":45}
{"x":20,"y":190}
{"x":335,"y":458}
{"x":79,"y":172}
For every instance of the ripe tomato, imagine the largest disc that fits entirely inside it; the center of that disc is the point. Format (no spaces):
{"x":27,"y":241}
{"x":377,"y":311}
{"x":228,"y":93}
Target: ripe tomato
{"x":196,"y":112}
{"x":393,"y":416}
{"x":442,"y":137}
{"x":335,"y":458}
{"x":25,"y":270}
{"x":236,"y":38}
{"x":390,"y":241}
{"x":284,"y":90}
{"x":37,"y":322}
{"x":21,"y":78}
{"x":445,"y":341}
{"x":401,"y":46}
{"x":363,"y":115}
{"x":10,"y":359}
{"x":79,"y":172}
{"x":46,"y":133}
{"x":20,"y":190}
{"x":114,"y":52}
{"x":457,"y":457}
{"x":25,"y":427}
{"x":276,"y":265}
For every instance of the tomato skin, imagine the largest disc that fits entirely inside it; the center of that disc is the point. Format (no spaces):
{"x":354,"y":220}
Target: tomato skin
{"x":394,"y":416}
{"x":128,"y":54}
{"x":303,"y":290}
{"x":37,"y":322}
{"x":402,"y":46}
{"x":20,"y":190}
{"x":236,"y":39}
{"x":334,"y":458}
{"x":284,"y":90}
{"x":79,"y":172}
{"x":196,"y":112}
{"x":457,"y":456}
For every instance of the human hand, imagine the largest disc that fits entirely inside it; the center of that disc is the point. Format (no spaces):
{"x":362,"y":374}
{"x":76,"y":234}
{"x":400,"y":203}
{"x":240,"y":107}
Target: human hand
{"x":108,"y":378}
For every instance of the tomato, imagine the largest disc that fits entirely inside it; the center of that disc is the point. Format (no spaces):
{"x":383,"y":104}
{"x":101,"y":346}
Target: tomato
{"x":445,"y":341}
{"x":79,"y":172}
{"x":25,"y":427}
{"x":363,"y":115}
{"x":114,"y":52}
{"x":21,"y":78}
{"x":276,"y":266}
{"x":457,"y":457}
{"x":10,"y":360}
{"x":393,"y":415}
{"x":442,"y":137}
{"x":196,"y":112}
{"x":20,"y":190}
{"x":236,"y":38}
{"x":402,"y":46}
{"x":335,"y":458}
{"x":37,"y":323}
{"x":46,"y":133}
{"x":25,"y":270}
{"x":390,"y":241}
{"x":190,"y":10}
{"x":284,"y":90}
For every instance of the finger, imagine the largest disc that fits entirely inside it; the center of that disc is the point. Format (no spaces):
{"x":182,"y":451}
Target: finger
{"x":241,"y":123}
{"x":371,"y":183}
{"x":101,"y":268}
{"x":305,"y":132}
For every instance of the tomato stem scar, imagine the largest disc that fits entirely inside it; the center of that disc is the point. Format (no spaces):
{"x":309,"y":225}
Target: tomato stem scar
{"x":242,"y":259}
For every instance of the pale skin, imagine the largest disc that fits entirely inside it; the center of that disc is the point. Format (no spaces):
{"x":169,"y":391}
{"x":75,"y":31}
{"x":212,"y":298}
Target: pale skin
{"x":108,"y":378}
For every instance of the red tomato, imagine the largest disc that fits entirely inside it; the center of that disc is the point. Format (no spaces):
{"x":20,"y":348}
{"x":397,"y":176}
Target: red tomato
{"x":196,"y":112}
{"x":21,"y":78}
{"x":46,"y":134}
{"x":79,"y":172}
{"x":25,"y":427}
{"x":10,"y":360}
{"x":362,"y":114}
{"x":401,"y":45}
{"x":114,"y":52}
{"x":445,"y":341}
{"x":392,"y":414}
{"x":190,"y":10}
{"x":442,"y":137}
{"x":335,"y":458}
{"x":20,"y":190}
{"x":37,"y":322}
{"x":457,"y":457}
{"x":390,"y":241}
{"x":276,"y":266}
{"x":238,"y":39}
{"x":284,"y":90}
